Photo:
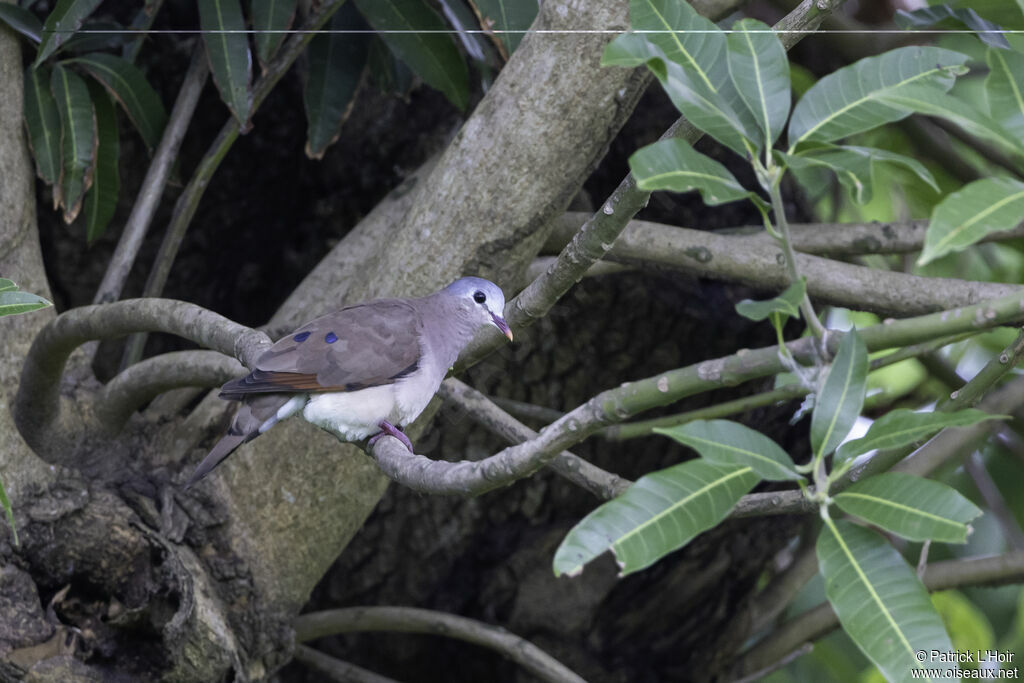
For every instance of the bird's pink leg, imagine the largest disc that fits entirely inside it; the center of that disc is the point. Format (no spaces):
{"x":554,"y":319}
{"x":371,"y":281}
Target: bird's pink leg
{"x":391,"y":430}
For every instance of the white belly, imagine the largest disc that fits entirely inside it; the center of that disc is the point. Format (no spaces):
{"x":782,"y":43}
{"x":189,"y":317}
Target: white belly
{"x":353,"y":416}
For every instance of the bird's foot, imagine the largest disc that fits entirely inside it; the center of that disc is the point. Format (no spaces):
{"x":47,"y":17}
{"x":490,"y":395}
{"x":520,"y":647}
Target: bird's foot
{"x":386,"y":428}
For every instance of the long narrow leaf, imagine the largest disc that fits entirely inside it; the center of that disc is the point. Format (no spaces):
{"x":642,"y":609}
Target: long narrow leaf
{"x":904,"y":427}
{"x":849,"y":100}
{"x":131,"y":89}
{"x":661,"y":512}
{"x":43,"y":122}
{"x":946,"y":17}
{"x":228,"y":49}
{"x":22,"y":21}
{"x":7,"y":285}
{"x":916,"y":509}
{"x":1004,"y":87}
{"x":880,"y":602}
{"x":842,"y":395}
{"x":759,"y":69}
{"x":336,"y":62}
{"x":509,"y":19}
{"x":78,"y":138}
{"x":9,"y":512}
{"x":965,"y":216}
{"x":61,"y":24}
{"x":422,"y":42}
{"x":786,"y":304}
{"x":853,"y":166}
{"x":270,"y":19}
{"x":101,"y":200}
{"x":723,"y":442}
{"x":674,"y":165}
{"x":12,"y":303}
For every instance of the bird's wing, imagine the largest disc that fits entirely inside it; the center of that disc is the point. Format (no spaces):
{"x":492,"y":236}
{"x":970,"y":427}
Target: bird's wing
{"x":362,"y":346}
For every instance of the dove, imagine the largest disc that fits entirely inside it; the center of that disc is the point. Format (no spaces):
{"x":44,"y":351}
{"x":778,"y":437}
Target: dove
{"x":366,"y":370}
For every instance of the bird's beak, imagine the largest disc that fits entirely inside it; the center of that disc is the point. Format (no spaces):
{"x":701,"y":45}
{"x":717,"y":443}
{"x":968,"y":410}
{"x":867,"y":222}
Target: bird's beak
{"x":500,"y":323}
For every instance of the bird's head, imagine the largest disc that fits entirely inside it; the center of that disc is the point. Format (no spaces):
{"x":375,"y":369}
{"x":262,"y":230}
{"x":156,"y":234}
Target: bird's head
{"x":481,"y":300}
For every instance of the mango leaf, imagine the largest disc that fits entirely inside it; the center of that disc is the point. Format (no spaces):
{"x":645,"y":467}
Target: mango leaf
{"x":270,"y":19}
{"x":43,"y":122}
{"x":787,"y":303}
{"x":841,"y":397}
{"x":723,"y":442}
{"x":336,"y":62}
{"x":22,"y":21}
{"x":759,"y":69}
{"x":946,"y":17}
{"x":965,"y":216}
{"x":661,"y":512}
{"x":101,"y":199}
{"x":673,"y":164}
{"x":1004,"y":87}
{"x":926,"y":100}
{"x":13,"y":303}
{"x":853,"y":165}
{"x":905,"y":427}
{"x":686,"y":52}
{"x":61,"y":24}
{"x":1002,"y":13}
{"x":916,"y":509}
{"x":78,"y":139}
{"x":131,"y":89}
{"x":96,"y":35}
{"x":7,"y":285}
{"x":421,"y":41}
{"x":849,"y":101}
{"x":509,"y":19}
{"x":227,"y":47}
{"x":880,"y":602}
{"x":6,"y":503}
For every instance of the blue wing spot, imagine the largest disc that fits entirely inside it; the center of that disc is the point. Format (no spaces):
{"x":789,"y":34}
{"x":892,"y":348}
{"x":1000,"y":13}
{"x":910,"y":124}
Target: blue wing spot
{"x":301,"y":337}
{"x":331,"y":338}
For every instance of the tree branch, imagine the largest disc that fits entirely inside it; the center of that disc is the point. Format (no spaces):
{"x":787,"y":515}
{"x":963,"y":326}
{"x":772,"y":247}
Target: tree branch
{"x":412,"y":620}
{"x":37,"y":406}
{"x":335,"y":669}
{"x":816,"y":622}
{"x":144,"y":381}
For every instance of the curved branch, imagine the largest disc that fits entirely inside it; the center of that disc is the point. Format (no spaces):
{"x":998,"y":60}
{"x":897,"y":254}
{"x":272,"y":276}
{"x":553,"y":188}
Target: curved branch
{"x":615,"y":405}
{"x":36,"y":405}
{"x":414,"y":620}
{"x":335,"y":669}
{"x":144,"y":381}
{"x":816,"y":622}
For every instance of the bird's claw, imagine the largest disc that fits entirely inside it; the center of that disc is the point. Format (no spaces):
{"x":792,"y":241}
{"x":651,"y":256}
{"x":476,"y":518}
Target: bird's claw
{"x":388,"y":429}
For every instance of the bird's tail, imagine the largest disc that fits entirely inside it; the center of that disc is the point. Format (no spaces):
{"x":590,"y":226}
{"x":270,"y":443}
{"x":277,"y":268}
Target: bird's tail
{"x":255,"y":416}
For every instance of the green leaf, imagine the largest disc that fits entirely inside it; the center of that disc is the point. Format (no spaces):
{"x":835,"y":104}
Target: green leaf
{"x":7,"y":285}
{"x":131,"y":89}
{"x":9,"y":512}
{"x":965,"y":216}
{"x":916,"y":509}
{"x":336,"y":62}
{"x":673,"y":164}
{"x":423,"y":43}
{"x":905,"y":427}
{"x":101,"y":200}
{"x":687,"y":54}
{"x":853,"y":166}
{"x":787,"y":303}
{"x":22,"y":21}
{"x":946,"y":17}
{"x":759,"y":69}
{"x":228,"y":49}
{"x":97,"y":36}
{"x":61,"y":24}
{"x":509,"y":19}
{"x":849,"y":101}
{"x":839,"y":402}
{"x":43,"y":122}
{"x":1004,"y":87}
{"x":270,"y":19}
{"x":661,"y":512}
{"x":879,"y":600}
{"x":12,"y":303}
{"x":723,"y":442}
{"x":78,"y":139}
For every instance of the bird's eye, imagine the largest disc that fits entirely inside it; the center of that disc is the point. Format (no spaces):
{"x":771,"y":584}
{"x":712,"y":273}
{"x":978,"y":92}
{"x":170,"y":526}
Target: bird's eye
{"x":479,"y":297}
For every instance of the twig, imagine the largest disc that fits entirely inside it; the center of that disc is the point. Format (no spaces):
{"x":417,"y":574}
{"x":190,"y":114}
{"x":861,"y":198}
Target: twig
{"x":335,"y":669}
{"x":776,"y":596}
{"x":781,"y":664}
{"x":975,"y":466}
{"x":816,"y":622}
{"x":793,"y":268}
{"x":413,"y":620}
{"x":529,"y":411}
{"x":144,"y":381}
{"x":188,"y":202}
{"x":153,"y":184}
